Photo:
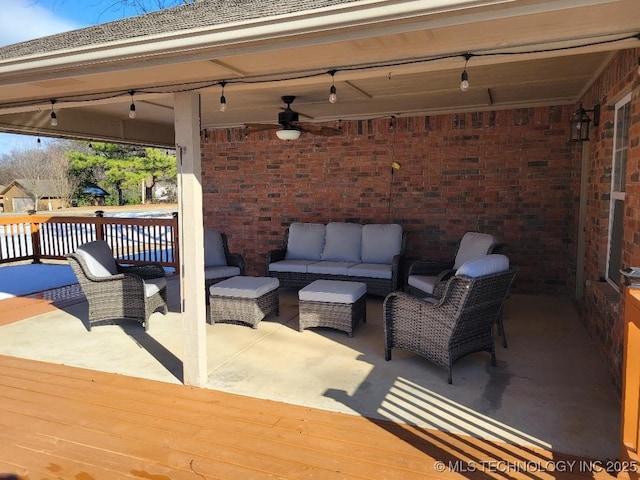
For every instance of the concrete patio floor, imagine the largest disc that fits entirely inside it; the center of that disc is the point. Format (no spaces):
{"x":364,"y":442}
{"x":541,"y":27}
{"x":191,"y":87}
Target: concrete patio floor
{"x":549,"y":388}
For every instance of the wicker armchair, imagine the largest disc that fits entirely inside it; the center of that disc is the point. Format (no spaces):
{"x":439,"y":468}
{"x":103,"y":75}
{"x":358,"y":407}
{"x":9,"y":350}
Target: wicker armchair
{"x":115,"y":291}
{"x":424,"y":275}
{"x":460,"y":322}
{"x":219,"y":263}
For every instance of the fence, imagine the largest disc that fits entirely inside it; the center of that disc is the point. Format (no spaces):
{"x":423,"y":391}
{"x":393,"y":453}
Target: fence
{"x":133,"y":240}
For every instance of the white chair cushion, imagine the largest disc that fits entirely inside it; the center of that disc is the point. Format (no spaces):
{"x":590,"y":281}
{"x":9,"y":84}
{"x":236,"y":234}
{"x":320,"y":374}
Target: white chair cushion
{"x":332,"y":291}
{"x":294,"y":266}
{"x":244,"y":287}
{"x":371,"y":270}
{"x":154,"y":285}
{"x":99,"y":258}
{"x":343,"y":242}
{"x":426,"y":283}
{"x":330,"y":268}
{"x":380,"y":243}
{"x":220,"y":272}
{"x":473,"y":245}
{"x":484,"y":266}
{"x":213,"y":249}
{"x":305,"y":241}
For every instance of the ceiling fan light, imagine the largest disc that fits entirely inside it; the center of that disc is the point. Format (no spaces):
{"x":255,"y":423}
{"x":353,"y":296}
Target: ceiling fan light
{"x":288,"y":134}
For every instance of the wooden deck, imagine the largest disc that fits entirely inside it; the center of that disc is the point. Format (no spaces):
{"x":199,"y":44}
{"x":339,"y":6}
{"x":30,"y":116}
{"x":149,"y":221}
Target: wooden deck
{"x":59,"y":422}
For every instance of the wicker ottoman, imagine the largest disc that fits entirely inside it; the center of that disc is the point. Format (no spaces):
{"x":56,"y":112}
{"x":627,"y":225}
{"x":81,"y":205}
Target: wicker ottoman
{"x":332,"y":303}
{"x":243,"y":300}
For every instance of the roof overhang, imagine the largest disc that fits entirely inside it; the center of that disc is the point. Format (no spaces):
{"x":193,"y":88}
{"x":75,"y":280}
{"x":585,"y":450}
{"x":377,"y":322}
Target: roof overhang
{"x":390,"y":58}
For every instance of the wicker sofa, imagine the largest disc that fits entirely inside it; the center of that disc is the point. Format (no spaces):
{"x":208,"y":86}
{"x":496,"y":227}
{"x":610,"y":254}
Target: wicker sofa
{"x":372,"y":254}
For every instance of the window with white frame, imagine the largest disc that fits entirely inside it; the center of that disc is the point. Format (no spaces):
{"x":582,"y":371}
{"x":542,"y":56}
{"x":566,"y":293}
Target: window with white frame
{"x":618,"y":178}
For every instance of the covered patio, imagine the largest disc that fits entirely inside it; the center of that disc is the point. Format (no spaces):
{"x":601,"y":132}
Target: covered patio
{"x":494,"y":157}
{"x":548,"y":392}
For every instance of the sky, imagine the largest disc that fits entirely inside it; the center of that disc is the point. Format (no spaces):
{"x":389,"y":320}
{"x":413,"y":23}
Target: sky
{"x":22,"y":20}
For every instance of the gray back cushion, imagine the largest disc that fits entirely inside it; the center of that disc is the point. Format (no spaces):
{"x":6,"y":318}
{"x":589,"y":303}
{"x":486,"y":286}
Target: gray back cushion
{"x":343,"y":242}
{"x":99,"y":258}
{"x":213,"y":249}
{"x":484,"y":266}
{"x":380,"y":243}
{"x":305,"y":241}
{"x":473,"y":245}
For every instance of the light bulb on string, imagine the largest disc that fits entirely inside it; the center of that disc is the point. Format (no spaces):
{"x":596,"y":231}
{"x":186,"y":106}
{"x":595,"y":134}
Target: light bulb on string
{"x":54,"y":117}
{"x":132,"y":107}
{"x":223,"y":99}
{"x":333,"y":96}
{"x":464,"y":78}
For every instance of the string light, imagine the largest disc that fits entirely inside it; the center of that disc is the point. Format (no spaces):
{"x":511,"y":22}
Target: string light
{"x":193,"y":86}
{"x":54,"y":117}
{"x":464,"y":78}
{"x":132,"y":107}
{"x":223,"y":100}
{"x":333,"y":96}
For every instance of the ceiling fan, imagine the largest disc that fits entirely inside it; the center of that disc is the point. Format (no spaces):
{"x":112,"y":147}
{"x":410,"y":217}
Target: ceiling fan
{"x":288,"y":126}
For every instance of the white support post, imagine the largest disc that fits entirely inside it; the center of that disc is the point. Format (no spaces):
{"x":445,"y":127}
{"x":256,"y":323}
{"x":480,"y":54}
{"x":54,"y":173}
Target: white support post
{"x":190,"y":226}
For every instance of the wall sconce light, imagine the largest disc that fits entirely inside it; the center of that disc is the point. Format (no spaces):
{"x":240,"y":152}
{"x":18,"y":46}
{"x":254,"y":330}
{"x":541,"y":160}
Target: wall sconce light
{"x":579,"y":124}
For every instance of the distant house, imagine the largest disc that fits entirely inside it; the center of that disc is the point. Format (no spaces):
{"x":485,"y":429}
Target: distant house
{"x":19,"y":196}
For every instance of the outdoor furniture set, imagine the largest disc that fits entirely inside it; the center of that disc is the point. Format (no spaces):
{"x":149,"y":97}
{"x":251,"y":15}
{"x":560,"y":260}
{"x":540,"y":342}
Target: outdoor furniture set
{"x":371,"y":254}
{"x":448,"y":311}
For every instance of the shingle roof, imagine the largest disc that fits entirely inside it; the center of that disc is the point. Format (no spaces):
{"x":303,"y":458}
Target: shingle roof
{"x":44,"y":187}
{"x":200,"y":14}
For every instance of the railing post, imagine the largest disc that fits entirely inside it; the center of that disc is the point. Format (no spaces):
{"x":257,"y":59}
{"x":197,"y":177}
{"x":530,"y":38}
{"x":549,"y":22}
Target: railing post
{"x":99,"y":225}
{"x":34,"y":227}
{"x":176,"y":243}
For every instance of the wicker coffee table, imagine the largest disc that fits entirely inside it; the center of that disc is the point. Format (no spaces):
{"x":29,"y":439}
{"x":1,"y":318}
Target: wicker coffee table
{"x":334,"y":304}
{"x":243,"y":300}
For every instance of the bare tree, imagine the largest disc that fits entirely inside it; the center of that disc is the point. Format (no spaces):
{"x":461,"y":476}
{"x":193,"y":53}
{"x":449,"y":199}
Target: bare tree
{"x":136,"y":6}
{"x":30,"y":169}
{"x":63,"y":184}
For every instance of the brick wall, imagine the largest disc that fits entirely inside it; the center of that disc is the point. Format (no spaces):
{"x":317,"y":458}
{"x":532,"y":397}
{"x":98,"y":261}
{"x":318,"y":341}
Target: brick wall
{"x":510,"y":173}
{"x":604,"y":306}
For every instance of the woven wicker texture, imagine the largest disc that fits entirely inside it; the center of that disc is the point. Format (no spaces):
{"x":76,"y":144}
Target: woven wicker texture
{"x":459,"y":324}
{"x":339,"y":316}
{"x":249,"y":311}
{"x":120,"y":296}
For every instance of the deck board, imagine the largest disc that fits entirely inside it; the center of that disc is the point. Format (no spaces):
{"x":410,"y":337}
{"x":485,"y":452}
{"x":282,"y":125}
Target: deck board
{"x":66,"y":422}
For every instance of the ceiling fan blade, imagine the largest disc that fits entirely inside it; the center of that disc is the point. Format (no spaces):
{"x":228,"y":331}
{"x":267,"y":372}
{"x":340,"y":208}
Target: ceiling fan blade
{"x":320,"y":130}
{"x":258,"y":127}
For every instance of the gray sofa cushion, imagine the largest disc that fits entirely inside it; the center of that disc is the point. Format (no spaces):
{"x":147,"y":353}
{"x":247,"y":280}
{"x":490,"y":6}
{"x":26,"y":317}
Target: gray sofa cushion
{"x":213,"y":249}
{"x":381,"y":242}
{"x":305,"y":241}
{"x":333,"y":291}
{"x":330,"y":268}
{"x":244,"y":287}
{"x":371,"y":270}
{"x":343,"y":242}
{"x":221,"y":271}
{"x":297,"y":266}
{"x":99,"y":258}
